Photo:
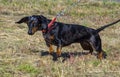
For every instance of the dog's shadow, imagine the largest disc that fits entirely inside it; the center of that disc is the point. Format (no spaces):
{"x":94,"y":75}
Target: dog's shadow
{"x":64,"y":55}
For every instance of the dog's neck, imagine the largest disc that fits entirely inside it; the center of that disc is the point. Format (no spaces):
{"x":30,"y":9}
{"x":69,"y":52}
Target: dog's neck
{"x":49,"y":28}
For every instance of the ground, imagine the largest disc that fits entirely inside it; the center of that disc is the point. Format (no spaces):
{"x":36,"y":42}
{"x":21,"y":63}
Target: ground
{"x":22,"y":55}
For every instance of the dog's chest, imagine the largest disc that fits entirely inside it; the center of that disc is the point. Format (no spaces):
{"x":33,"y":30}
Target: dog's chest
{"x":50,"y":38}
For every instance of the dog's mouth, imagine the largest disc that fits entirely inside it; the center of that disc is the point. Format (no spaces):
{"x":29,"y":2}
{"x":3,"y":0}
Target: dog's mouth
{"x":32,"y":31}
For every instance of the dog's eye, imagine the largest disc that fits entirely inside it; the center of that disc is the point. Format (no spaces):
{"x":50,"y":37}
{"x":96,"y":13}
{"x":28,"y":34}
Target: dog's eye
{"x":35,"y":24}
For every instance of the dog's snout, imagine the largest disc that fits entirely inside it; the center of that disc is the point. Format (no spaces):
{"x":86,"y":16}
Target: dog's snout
{"x":30,"y":33}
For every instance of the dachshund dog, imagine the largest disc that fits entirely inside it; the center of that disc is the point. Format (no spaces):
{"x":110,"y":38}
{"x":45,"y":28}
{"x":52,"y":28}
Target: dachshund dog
{"x":61,"y":34}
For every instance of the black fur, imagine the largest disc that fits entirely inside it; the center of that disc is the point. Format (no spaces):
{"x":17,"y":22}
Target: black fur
{"x":61,"y":34}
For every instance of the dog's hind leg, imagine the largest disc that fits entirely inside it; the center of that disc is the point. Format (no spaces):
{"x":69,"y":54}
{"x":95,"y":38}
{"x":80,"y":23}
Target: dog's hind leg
{"x":87,"y":46}
{"x":96,"y":43}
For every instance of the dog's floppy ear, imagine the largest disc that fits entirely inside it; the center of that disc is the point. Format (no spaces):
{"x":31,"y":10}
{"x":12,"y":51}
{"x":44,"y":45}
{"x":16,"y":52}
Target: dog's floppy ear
{"x":43,"y":17}
{"x":23,"y":20}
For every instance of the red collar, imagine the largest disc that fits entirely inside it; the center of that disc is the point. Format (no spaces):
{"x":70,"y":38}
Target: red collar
{"x":50,"y":25}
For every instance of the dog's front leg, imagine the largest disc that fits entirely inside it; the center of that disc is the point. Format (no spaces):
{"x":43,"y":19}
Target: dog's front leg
{"x":51,"y":49}
{"x":59,"y":48}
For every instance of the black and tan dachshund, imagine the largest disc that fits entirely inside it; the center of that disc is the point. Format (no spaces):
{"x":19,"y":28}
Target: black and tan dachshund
{"x":61,"y":34}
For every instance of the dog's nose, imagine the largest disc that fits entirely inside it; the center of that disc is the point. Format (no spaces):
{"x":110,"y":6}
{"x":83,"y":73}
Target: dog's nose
{"x":30,"y":33}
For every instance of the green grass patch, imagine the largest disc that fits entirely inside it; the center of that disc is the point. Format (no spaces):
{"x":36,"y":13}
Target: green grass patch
{"x":96,"y":63}
{"x":27,"y":68}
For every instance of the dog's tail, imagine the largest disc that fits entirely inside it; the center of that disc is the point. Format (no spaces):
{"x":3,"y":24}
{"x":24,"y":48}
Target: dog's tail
{"x":105,"y":26}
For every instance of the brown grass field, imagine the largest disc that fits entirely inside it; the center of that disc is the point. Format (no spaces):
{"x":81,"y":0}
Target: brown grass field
{"x":22,"y":55}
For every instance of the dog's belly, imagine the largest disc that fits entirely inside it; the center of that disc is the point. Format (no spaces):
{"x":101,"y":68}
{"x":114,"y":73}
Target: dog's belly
{"x":53,"y":41}
{"x":63,"y":44}
{"x":69,"y":41}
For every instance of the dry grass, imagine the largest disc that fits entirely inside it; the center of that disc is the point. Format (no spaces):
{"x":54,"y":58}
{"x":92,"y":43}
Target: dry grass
{"x":22,"y":55}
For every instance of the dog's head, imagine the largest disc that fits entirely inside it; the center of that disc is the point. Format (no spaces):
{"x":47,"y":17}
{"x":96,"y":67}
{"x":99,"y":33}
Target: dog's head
{"x":35,"y":23}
